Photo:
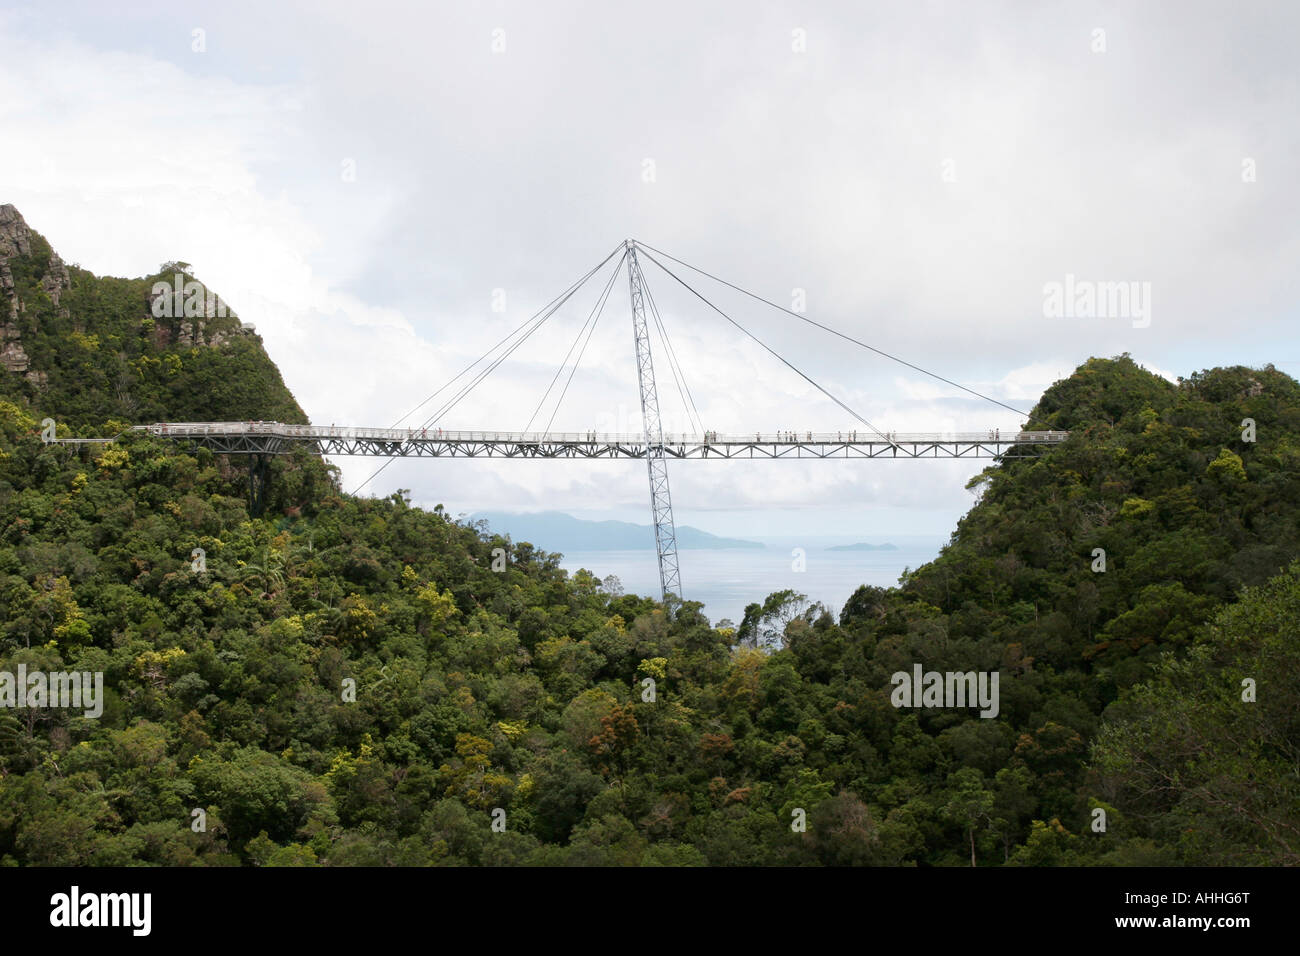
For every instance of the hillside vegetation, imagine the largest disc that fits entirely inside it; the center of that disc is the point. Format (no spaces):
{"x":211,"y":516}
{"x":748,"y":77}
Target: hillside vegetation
{"x":90,"y":350}
{"x":356,"y":681}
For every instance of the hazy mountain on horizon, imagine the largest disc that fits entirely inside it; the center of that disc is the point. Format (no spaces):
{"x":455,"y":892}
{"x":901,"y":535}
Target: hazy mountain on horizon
{"x":558,"y":531}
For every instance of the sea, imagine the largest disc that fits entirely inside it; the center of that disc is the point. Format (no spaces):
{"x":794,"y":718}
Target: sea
{"x":727,"y":580}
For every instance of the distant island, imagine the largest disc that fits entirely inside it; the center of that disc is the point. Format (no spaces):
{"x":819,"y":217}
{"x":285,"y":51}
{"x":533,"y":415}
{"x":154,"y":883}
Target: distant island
{"x":557,"y":531}
{"x":864,"y":547}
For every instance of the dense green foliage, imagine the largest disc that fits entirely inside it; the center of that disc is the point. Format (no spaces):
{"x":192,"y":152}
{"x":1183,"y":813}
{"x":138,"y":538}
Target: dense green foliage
{"x":356,"y":681}
{"x":107,"y":357}
{"x":1203,"y":757}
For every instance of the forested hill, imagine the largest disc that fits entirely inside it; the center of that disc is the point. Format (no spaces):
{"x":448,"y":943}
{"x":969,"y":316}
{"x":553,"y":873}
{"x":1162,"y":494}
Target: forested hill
{"x":356,"y":681}
{"x":95,"y":349}
{"x":1155,"y":475}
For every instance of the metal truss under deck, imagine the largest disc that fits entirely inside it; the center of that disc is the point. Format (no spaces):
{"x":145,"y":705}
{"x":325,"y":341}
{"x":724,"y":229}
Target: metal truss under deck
{"x":274,"y":438}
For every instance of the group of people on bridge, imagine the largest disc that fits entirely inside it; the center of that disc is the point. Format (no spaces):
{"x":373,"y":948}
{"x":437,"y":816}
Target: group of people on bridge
{"x":839,"y":436}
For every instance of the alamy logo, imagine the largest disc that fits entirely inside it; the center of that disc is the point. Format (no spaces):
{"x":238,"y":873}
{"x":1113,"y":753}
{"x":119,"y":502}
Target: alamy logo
{"x":953,"y":689}
{"x":75,"y":690}
{"x":181,"y":299}
{"x":103,"y":909}
{"x":1084,"y":299}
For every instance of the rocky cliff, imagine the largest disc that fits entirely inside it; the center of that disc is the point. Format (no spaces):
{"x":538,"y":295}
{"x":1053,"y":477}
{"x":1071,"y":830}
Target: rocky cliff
{"x":85,"y":349}
{"x":16,"y":240}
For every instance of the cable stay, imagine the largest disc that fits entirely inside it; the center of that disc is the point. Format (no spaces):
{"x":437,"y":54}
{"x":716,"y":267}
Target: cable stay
{"x":768,"y":348}
{"x":592,"y":319}
{"x":600,"y":311}
{"x":465,"y":390}
{"x":571,"y":289}
{"x":679,"y":375}
{"x":848,"y":338}
{"x":532,"y":324}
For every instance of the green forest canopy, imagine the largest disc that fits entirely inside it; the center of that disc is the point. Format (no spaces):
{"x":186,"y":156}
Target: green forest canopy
{"x":350,"y":682}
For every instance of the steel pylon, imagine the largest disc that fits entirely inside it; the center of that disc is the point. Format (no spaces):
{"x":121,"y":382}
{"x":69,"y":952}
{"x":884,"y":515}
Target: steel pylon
{"x":661,"y":504}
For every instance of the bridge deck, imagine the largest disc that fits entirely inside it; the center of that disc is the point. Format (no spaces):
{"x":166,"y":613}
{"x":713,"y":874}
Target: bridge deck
{"x":275,"y":438}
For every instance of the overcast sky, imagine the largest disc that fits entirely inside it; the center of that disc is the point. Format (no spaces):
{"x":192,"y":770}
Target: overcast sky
{"x":363,"y":181}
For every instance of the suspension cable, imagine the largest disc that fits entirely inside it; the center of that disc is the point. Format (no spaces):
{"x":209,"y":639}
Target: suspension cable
{"x":595,"y":315}
{"x":848,"y":338}
{"x":535,"y":322}
{"x":679,"y":374}
{"x":550,"y":311}
{"x":571,"y":289}
{"x":781,"y":358}
{"x":600,"y":309}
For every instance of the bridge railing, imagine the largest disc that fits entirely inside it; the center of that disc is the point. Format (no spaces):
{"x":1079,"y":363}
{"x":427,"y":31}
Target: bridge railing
{"x":280,"y":429}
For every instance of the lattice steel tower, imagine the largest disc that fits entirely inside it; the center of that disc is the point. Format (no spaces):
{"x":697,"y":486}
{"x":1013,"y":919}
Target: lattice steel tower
{"x":661,"y":504}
